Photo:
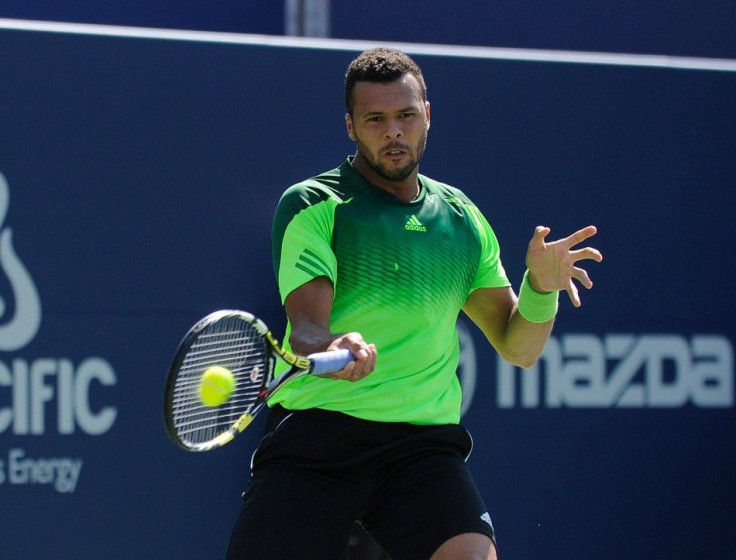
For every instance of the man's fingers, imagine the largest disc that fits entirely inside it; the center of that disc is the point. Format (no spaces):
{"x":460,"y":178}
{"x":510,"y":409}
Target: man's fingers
{"x":367,"y":362}
{"x":587,"y":253}
{"x":364,"y":363}
{"x":572,"y":291}
{"x":580,"y":235}
{"x":581,"y":276}
{"x":553,"y":263}
{"x":540,"y":232}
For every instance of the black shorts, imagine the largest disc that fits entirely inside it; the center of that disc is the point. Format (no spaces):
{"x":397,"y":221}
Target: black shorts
{"x":316,"y":472}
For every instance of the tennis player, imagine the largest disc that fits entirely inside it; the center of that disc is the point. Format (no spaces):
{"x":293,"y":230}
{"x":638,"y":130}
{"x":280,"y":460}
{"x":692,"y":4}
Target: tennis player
{"x":374,"y":257}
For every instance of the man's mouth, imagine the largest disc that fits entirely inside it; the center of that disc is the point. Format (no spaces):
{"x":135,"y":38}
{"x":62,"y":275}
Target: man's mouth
{"x":394,"y":152}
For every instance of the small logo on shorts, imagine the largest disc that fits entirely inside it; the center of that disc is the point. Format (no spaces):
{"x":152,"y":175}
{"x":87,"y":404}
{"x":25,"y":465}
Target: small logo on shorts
{"x":487,"y":518}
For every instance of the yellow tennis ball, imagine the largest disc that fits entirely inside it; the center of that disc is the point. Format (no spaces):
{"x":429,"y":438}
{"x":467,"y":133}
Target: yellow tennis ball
{"x":216,"y":385}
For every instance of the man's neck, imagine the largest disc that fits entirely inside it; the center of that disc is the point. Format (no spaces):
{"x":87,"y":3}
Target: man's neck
{"x":406,"y":190}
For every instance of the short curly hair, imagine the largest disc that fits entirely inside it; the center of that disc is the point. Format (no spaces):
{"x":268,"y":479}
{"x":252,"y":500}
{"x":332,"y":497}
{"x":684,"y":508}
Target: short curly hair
{"x":380,"y":65}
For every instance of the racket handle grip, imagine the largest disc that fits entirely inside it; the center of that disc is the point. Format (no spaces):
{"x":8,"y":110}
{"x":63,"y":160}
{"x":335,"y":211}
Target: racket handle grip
{"x":327,"y":362}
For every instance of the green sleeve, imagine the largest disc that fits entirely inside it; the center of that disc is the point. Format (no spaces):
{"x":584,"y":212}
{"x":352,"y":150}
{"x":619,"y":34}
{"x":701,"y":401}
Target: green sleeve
{"x":302,"y":234}
{"x":490,"y":273}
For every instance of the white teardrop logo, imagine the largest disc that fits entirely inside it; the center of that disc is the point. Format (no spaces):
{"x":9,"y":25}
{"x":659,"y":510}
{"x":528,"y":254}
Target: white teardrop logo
{"x":20,"y":329}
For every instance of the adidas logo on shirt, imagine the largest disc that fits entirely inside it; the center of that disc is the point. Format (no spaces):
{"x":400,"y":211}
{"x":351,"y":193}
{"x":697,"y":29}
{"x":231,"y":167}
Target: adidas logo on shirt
{"x":413,"y":224}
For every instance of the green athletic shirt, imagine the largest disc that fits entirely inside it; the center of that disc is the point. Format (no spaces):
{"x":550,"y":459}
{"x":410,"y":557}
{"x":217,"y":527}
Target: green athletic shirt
{"x":401,"y":274}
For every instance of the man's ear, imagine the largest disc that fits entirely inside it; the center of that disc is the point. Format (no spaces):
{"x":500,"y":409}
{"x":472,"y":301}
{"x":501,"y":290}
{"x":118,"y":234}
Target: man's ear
{"x":349,"y":126}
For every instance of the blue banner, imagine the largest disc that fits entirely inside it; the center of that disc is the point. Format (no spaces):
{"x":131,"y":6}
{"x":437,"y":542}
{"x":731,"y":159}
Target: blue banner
{"x":138,"y":182}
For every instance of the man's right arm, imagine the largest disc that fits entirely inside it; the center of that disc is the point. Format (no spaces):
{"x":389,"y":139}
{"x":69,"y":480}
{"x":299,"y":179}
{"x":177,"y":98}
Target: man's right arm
{"x":308,"y":308}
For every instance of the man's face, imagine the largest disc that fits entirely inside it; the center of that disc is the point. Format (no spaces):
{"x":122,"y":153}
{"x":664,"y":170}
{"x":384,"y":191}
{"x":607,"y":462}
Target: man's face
{"x":389,"y":125}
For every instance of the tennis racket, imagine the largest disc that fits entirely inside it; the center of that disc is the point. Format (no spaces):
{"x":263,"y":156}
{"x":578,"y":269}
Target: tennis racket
{"x":242,"y":343}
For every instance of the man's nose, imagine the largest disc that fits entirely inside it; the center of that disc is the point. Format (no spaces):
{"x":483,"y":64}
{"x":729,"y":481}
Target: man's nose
{"x":393,"y":130}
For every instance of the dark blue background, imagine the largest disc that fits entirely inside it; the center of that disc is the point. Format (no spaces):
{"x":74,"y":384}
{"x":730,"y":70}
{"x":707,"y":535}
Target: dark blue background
{"x":143,"y":175}
{"x":672,"y":27}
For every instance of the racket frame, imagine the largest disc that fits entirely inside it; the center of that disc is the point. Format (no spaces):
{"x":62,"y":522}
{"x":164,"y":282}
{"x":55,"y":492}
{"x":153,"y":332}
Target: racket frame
{"x":318,"y":364}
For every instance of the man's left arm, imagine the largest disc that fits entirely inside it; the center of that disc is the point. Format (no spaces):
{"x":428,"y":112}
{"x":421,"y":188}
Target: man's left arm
{"x":518,"y":327}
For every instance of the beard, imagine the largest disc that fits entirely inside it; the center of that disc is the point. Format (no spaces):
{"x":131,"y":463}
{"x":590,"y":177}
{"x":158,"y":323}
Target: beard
{"x":373,"y":160}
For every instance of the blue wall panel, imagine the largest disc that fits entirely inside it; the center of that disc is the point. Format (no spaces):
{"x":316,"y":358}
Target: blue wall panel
{"x":140,"y":179}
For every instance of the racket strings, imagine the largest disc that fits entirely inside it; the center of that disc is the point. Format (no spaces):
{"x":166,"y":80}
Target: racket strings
{"x":236,"y":345}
